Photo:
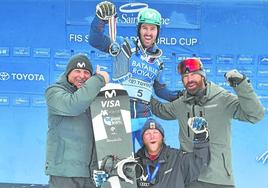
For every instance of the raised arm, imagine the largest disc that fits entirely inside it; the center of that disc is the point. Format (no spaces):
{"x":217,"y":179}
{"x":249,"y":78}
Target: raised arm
{"x":97,"y":38}
{"x":245,"y":106}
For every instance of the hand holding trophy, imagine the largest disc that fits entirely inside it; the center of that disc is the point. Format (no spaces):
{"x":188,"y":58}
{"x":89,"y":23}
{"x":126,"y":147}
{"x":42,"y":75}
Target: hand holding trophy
{"x":106,"y":11}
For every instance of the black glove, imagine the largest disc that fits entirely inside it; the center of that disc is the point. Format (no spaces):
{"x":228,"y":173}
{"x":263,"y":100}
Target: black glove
{"x":234,"y":78}
{"x":105,"y":10}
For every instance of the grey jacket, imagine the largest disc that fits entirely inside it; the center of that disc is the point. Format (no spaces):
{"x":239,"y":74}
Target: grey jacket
{"x":177,"y":168}
{"x":70,"y":150}
{"x":218,"y":107}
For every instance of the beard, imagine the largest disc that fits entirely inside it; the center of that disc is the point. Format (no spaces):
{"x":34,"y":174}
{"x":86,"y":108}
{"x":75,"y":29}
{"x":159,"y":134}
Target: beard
{"x":193,"y":91}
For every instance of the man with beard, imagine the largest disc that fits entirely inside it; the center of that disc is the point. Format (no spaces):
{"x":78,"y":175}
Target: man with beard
{"x":203,"y":98}
{"x":137,"y":65}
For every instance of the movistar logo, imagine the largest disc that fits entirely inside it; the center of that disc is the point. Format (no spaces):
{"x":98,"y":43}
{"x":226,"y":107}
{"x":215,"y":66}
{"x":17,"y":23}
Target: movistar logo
{"x":151,"y":15}
{"x":110,"y":94}
{"x":81,"y":64}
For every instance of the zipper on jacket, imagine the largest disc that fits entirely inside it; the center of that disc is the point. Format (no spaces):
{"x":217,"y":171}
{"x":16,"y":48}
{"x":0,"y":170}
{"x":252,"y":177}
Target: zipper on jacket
{"x":193,"y":111}
{"x":188,"y":129}
{"x":193,"y":116}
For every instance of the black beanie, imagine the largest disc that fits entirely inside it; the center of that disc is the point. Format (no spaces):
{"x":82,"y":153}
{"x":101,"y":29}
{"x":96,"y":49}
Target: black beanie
{"x":79,"y":61}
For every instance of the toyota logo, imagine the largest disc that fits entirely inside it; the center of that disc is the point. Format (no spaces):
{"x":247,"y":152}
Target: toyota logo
{"x":4,"y":76}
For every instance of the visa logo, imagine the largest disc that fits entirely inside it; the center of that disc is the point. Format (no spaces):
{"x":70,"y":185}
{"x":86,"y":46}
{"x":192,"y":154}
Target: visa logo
{"x":110,"y":104}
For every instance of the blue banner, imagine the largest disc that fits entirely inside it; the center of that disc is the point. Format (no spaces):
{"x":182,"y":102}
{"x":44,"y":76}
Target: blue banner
{"x":37,"y":38}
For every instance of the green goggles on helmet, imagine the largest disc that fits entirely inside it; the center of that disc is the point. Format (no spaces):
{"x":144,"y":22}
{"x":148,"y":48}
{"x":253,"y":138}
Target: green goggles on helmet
{"x":149,"y":16}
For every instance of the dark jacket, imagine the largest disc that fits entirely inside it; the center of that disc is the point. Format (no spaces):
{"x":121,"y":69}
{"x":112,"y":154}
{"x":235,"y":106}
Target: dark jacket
{"x":70,"y":148}
{"x":176,"y":168}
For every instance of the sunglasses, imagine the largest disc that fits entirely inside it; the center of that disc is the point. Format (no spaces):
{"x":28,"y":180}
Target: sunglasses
{"x":189,"y":65}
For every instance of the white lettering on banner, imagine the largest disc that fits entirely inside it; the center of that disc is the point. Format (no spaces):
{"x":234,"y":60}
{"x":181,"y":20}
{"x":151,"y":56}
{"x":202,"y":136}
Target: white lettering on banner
{"x":169,"y":41}
{"x":127,"y":20}
{"x":29,"y":77}
{"x":165,"y":21}
{"x":86,"y":38}
{"x":73,"y":37}
{"x":188,"y":41}
{"x":182,"y":41}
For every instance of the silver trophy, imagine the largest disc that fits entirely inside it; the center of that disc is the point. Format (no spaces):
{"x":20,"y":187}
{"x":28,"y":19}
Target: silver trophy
{"x":114,"y":48}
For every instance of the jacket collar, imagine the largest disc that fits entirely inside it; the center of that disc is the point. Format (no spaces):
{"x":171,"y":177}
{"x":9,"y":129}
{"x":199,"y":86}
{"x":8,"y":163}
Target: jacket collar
{"x":64,"y":82}
{"x":162,"y":157}
{"x":211,"y":91}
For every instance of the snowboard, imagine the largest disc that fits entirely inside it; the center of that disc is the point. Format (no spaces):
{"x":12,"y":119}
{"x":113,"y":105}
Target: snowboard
{"x":110,"y":113}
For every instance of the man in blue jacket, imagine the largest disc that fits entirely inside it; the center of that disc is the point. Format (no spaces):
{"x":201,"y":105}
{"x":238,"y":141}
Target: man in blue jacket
{"x":137,"y":64}
{"x":70,"y":151}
